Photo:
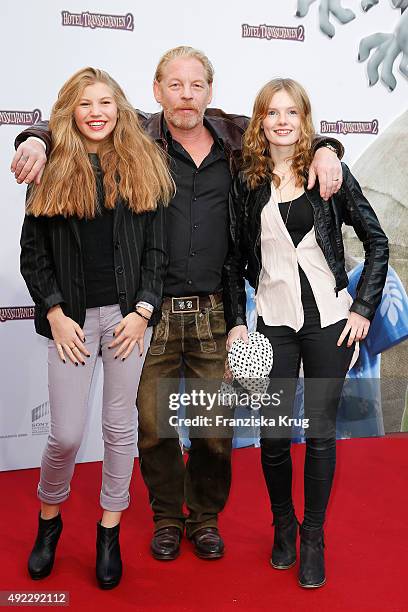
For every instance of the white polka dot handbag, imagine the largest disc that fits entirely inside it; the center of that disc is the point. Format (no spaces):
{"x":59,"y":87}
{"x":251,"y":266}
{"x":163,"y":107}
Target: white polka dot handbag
{"x":251,"y":363}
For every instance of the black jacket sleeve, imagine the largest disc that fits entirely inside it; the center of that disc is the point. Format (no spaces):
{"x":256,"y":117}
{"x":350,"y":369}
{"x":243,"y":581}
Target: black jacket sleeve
{"x":36,"y":263}
{"x":237,"y":258}
{"x":154,"y":259}
{"x":358,"y":213}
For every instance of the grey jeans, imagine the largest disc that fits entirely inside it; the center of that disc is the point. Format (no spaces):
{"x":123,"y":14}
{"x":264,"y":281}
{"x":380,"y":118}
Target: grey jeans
{"x":69,"y":387}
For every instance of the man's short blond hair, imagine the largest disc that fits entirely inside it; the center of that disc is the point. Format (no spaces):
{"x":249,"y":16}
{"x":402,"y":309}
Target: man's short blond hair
{"x":184,"y":51}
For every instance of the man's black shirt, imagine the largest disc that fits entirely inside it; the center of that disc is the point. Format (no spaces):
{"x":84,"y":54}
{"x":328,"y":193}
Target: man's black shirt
{"x":197,"y":220}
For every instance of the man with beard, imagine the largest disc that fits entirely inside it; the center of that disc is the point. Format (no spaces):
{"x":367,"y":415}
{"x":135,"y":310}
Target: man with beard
{"x":204,"y":147}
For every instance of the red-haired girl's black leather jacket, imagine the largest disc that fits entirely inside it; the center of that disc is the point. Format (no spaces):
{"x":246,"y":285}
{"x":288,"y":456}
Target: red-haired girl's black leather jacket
{"x":347,"y":206}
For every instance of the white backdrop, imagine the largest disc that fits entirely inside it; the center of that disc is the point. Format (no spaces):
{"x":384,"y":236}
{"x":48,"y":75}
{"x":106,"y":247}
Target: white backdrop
{"x":39,"y":53}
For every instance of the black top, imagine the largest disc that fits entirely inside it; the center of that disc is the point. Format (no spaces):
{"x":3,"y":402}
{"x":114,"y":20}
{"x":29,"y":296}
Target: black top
{"x":299,"y":222}
{"x":300,"y":219}
{"x":197,"y":220}
{"x":97,"y":249}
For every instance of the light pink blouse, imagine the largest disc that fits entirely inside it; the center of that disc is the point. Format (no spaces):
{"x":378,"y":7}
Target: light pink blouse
{"x":278,"y":298}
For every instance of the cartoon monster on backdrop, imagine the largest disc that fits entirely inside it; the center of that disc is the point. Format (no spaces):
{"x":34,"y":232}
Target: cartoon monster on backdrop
{"x":386,"y":46}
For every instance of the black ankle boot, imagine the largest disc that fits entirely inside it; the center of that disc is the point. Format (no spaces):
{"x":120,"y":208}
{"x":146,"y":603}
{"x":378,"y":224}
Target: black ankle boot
{"x":311,"y":571}
{"x":108,"y":560}
{"x":284,"y":543}
{"x":42,"y":556}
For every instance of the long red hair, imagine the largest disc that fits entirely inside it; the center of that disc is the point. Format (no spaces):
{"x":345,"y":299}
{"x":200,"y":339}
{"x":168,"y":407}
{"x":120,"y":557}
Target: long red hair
{"x":257,"y":163}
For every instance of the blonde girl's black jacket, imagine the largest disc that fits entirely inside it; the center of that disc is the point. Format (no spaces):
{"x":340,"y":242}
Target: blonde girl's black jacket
{"x":51,"y":263}
{"x":347,"y":206}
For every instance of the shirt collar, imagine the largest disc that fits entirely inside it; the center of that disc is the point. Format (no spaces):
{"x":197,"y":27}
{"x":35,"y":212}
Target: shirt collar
{"x":167,"y":135}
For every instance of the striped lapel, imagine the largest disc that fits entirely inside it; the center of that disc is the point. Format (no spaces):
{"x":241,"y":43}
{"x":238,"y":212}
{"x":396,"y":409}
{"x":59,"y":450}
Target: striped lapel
{"x":73,"y":224}
{"x":117,"y":218}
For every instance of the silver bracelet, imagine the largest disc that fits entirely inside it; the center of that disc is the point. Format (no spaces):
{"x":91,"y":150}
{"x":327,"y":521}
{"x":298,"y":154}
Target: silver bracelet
{"x":331,"y":147}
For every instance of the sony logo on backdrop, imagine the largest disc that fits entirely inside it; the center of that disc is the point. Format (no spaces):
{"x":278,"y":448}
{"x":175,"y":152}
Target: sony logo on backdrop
{"x":40,"y":419}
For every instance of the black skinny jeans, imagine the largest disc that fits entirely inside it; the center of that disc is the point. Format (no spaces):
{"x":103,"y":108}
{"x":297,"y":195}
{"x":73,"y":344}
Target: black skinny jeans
{"x":325,"y":366}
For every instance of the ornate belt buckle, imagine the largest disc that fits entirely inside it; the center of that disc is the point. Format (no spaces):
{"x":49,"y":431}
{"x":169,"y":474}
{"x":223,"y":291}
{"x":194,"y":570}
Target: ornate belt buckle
{"x":185,"y":304}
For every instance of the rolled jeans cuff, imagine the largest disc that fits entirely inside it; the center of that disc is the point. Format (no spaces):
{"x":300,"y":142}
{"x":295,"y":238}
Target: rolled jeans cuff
{"x":52,"y":499}
{"x":114,"y":504}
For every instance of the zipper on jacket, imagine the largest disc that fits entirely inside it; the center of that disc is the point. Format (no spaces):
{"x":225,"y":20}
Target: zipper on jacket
{"x":257,"y":241}
{"x":336,"y":290}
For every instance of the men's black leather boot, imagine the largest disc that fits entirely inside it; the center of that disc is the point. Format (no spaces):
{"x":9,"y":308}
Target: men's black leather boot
{"x":42,"y":556}
{"x":284,"y":543}
{"x":108,"y":559}
{"x":311,"y":571}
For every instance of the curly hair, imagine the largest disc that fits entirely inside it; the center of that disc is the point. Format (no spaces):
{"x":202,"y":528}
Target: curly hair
{"x":257,"y":164}
{"x":134,"y":167}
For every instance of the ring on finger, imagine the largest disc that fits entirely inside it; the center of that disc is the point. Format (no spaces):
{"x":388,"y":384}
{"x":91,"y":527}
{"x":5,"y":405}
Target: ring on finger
{"x":25,"y":157}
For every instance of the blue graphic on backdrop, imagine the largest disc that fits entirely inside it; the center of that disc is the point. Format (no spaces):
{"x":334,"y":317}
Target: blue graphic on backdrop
{"x":360,"y":413}
{"x":388,"y":328}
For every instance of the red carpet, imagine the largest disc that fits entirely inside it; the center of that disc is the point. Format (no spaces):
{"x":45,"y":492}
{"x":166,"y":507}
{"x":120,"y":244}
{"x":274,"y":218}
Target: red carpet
{"x":366,"y":542}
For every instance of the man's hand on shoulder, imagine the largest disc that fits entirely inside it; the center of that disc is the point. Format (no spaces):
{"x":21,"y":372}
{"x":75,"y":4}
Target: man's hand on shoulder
{"x":326,"y":167}
{"x":29,"y":161}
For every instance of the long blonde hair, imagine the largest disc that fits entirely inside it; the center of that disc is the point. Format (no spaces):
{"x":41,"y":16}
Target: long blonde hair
{"x":257,"y":163}
{"x":134,"y":167}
